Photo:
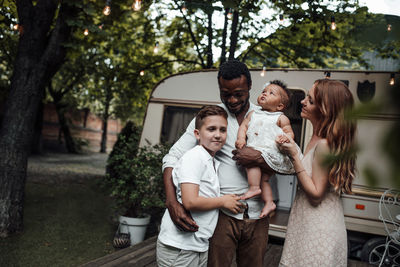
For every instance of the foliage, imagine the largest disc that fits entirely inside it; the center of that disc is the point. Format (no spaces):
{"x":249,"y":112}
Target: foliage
{"x":134,"y":175}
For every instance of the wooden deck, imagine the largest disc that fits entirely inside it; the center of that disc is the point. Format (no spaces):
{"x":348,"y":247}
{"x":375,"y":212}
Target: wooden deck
{"x":144,"y":255}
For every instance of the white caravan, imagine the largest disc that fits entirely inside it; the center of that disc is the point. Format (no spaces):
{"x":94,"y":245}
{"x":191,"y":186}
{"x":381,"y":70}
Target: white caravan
{"x":176,"y":99}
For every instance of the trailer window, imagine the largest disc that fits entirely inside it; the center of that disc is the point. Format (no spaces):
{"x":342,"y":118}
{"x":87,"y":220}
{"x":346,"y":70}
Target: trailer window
{"x":175,"y":121}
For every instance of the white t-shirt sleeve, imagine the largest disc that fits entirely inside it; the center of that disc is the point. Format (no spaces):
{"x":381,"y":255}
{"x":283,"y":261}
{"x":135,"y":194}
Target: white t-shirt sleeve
{"x":190,"y":168}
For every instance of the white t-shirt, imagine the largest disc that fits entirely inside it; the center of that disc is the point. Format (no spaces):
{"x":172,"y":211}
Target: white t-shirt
{"x":196,"y":166}
{"x":232,"y":178}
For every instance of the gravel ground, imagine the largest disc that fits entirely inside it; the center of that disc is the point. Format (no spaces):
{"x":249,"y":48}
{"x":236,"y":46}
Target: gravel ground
{"x":55,"y":167}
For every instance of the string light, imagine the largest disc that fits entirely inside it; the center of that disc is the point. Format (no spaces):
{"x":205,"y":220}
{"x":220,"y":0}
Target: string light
{"x":184,"y":8}
{"x":107,"y":8}
{"x":230,"y":13}
{"x":333,"y":23}
{"x":281,"y":17}
{"x":141,"y":72}
{"x":137,"y":5}
{"x":389,"y":27}
{"x":15,"y":27}
{"x":101,"y":26}
{"x":86,"y":32}
{"x":155,"y":50}
{"x":262,"y":74}
{"x":391,"y":82}
{"x":327,"y":74}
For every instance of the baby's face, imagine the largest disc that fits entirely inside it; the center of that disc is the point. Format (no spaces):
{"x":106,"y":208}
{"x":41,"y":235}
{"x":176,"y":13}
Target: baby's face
{"x":271,"y":98}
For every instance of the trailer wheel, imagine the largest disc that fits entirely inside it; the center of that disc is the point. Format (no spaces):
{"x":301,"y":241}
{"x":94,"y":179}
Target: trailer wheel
{"x":373,"y":250}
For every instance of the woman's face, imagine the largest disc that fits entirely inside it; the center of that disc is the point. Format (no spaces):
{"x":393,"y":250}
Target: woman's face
{"x":309,"y":110}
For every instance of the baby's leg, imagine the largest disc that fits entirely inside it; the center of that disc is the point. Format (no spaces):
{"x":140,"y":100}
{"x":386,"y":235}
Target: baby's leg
{"x":254,"y":178}
{"x":267,"y":196}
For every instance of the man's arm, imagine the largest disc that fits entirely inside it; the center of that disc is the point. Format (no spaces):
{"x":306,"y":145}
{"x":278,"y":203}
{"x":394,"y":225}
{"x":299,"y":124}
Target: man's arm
{"x":181,"y":217}
{"x":249,"y":157}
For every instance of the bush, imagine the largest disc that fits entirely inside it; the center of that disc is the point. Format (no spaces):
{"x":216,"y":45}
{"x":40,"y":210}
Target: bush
{"x":134,"y":175}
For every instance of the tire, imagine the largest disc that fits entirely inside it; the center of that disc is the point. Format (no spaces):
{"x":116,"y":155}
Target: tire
{"x":373,"y":250}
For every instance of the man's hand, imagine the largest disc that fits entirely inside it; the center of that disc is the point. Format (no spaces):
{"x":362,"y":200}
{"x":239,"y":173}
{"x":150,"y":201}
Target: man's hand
{"x":249,"y":157}
{"x":182,"y":218}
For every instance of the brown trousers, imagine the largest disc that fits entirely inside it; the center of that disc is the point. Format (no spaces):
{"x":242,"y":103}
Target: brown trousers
{"x":247,"y":238}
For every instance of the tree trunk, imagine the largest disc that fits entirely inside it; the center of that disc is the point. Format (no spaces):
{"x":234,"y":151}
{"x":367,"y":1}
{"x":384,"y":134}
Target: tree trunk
{"x":39,"y":56}
{"x":234,"y":35}
{"x":224,"y":34}
{"x":69,"y":141}
{"x":210,"y":38}
{"x":106,"y":115}
{"x":36,"y":147}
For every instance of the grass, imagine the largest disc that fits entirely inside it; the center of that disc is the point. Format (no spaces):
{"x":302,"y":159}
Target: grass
{"x":65,"y":224}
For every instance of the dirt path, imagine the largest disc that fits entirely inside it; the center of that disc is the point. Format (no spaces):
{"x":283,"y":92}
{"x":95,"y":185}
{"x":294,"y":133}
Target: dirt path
{"x":65,"y":168}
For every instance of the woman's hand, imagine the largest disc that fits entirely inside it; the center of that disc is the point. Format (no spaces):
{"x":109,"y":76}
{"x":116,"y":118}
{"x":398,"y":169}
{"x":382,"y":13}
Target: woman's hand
{"x":287,"y":145}
{"x":231,"y":203}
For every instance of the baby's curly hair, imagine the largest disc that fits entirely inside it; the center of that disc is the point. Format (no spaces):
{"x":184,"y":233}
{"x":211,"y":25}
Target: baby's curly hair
{"x":285,"y":98}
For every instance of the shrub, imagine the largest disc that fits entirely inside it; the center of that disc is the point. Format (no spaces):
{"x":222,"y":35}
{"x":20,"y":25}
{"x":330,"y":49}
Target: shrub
{"x":134,"y":175}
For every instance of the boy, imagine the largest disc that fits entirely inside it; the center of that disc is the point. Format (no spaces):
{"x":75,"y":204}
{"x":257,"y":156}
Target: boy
{"x":197,"y":188}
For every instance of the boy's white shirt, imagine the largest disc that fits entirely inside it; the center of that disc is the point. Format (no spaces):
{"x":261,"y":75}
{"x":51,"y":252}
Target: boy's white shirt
{"x":195,"y":166}
{"x":232,"y":178}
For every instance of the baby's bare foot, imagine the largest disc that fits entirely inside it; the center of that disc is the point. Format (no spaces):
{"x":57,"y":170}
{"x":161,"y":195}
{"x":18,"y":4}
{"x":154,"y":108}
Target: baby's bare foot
{"x":269,"y":206}
{"x":251,"y":193}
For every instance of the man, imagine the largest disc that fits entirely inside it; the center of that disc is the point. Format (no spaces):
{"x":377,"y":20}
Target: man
{"x":244,"y":233}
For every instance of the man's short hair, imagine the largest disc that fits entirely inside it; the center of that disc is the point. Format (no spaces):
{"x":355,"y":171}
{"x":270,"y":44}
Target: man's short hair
{"x":206,"y":111}
{"x":285,"y":99}
{"x":233,"y":69}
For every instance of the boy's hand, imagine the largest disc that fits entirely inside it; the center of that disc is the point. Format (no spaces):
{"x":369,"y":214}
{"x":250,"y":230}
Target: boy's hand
{"x":239,"y":144}
{"x":231,"y":203}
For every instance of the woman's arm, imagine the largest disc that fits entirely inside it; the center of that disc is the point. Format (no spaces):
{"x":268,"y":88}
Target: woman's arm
{"x":316,"y":185}
{"x":193,"y":202}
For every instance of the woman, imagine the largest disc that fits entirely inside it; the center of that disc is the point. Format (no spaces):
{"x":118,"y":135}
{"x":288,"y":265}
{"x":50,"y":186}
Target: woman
{"x":316,"y":233}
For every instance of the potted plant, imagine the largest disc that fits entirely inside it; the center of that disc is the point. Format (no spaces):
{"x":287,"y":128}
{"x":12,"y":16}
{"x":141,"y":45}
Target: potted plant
{"x":134,"y":180}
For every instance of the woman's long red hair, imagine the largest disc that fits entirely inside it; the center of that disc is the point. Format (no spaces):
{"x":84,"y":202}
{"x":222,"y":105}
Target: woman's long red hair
{"x":333,"y":98}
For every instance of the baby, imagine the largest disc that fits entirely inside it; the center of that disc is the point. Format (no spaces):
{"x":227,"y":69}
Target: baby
{"x":261,"y":127}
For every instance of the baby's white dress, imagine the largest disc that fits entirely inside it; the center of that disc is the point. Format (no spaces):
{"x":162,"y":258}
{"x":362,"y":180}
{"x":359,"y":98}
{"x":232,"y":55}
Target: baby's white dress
{"x":261,"y":134}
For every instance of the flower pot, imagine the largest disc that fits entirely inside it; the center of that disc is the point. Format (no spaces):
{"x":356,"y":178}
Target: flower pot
{"x":135,"y":226}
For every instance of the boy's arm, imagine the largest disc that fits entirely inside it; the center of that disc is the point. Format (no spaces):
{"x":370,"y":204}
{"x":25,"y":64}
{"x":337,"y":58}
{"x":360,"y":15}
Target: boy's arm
{"x":241,"y":136}
{"x":284,"y":123}
{"x":193,"y":202}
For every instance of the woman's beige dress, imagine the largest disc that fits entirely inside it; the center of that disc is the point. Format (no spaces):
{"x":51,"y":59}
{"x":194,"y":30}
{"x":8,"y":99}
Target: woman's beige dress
{"x":316,"y":235}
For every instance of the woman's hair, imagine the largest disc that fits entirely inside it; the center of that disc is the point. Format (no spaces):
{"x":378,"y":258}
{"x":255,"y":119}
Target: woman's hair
{"x":333,"y":98}
{"x":206,"y":111}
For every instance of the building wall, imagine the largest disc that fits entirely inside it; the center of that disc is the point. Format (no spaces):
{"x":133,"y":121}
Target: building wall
{"x":83,"y":125}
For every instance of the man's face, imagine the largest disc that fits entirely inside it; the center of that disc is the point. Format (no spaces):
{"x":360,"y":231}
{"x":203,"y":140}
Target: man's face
{"x":235,"y":94}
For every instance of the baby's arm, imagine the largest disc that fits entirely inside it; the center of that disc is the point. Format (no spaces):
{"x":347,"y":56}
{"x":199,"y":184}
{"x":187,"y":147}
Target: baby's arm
{"x":193,"y":202}
{"x":241,"y":137}
{"x":284,"y":123}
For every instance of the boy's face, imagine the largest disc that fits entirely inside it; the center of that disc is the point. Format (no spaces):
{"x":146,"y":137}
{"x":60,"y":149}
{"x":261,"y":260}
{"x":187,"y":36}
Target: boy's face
{"x":212,"y":134}
{"x":271,"y":98}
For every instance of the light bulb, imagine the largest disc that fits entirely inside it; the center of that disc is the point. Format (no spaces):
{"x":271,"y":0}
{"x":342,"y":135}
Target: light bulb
{"x":333,"y":23}
{"x":101,"y":26}
{"x":389,"y":27}
{"x":391,"y":82}
{"x":155,"y":48}
{"x":107,"y":10}
{"x":86,"y":32}
{"x":281,"y":17}
{"x":15,"y":27}
{"x":184,"y":8}
{"x":141,"y":73}
{"x":137,"y":5}
{"x":230,"y":14}
{"x":262,"y":74}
